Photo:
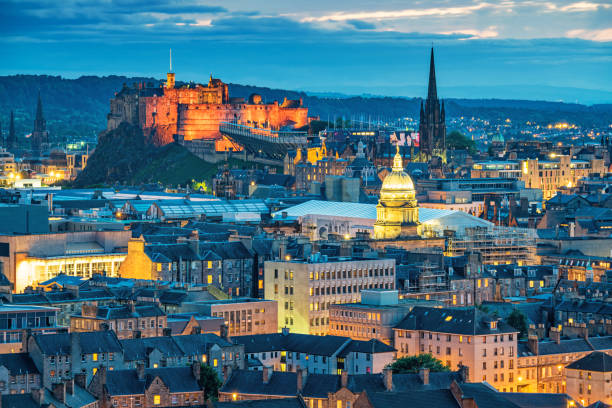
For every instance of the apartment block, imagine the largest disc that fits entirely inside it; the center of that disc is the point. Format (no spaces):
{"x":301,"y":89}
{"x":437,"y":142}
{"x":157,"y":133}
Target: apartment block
{"x":462,"y":337}
{"x":305,"y":289}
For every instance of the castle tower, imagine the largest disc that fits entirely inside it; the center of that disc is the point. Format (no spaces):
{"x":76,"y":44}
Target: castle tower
{"x":11,"y":142}
{"x":170,"y":74}
{"x":40,"y":136}
{"x":432,"y":126}
{"x":397,"y":213}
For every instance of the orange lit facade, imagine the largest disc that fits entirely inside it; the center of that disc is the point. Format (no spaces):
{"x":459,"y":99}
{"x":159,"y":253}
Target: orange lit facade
{"x":193,"y":112}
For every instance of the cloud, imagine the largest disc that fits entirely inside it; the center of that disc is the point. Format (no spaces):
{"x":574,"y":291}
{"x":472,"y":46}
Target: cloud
{"x":404,"y":13}
{"x":474,"y":33}
{"x":361,"y":25}
{"x":604,"y":35}
{"x":581,"y":6}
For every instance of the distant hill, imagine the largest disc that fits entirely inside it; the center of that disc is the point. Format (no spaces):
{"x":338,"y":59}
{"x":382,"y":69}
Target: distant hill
{"x":123,"y":157}
{"x":78,"y":107}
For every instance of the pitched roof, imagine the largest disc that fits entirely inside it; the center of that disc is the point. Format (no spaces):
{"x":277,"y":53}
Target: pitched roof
{"x":428,"y":398}
{"x":251,"y":382}
{"x":139,"y":349}
{"x":126,"y":382}
{"x":540,"y":400}
{"x":18,"y":401}
{"x":270,"y":403}
{"x":469,"y":321}
{"x":90,"y":342}
{"x":596,"y":361}
{"x":18,"y":363}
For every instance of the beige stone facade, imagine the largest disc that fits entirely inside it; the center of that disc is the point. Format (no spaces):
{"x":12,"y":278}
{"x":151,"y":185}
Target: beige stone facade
{"x":305,"y":289}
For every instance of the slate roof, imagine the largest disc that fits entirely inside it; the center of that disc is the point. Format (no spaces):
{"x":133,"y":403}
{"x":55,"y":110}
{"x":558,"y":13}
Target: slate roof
{"x":540,"y":400}
{"x":18,"y":401}
{"x":90,"y":342}
{"x":251,"y":382}
{"x":139,"y":349}
{"x":227,"y":250}
{"x":123,"y":312}
{"x":195,"y":344}
{"x":79,"y":398}
{"x":271,"y":403}
{"x":596,"y":361}
{"x":486,"y":396}
{"x":126,"y":382}
{"x":357,"y":346}
{"x":304,"y":343}
{"x":468,"y":321}
{"x":429,"y":398}
{"x":18,"y":363}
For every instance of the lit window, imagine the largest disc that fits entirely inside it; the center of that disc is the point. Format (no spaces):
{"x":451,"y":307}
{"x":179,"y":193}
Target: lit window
{"x":209,"y":279}
{"x":156,"y":400}
{"x":215,"y":362}
{"x":95,"y":357}
{"x":448,"y":318}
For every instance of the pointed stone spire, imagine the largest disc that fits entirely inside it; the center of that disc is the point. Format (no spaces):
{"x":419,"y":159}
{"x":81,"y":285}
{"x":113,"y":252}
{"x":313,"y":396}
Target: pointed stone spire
{"x":39,"y":123}
{"x":432,"y":92}
{"x":12,"y":138}
{"x":39,"y":138}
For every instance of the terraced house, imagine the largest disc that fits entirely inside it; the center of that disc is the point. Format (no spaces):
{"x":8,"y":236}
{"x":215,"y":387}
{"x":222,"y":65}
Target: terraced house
{"x":462,"y":337}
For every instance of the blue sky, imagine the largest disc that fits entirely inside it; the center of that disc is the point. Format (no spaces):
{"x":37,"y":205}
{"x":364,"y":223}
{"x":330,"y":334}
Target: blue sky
{"x":531,"y":49}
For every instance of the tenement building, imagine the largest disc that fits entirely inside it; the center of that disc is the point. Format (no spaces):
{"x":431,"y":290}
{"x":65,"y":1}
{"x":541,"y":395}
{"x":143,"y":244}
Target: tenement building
{"x":306,"y":288}
{"x":589,"y":379}
{"x":462,"y":337}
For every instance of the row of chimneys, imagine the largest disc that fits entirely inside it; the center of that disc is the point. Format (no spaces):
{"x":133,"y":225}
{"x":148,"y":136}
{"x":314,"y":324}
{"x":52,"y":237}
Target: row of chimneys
{"x":60,"y":390}
{"x":302,"y":375}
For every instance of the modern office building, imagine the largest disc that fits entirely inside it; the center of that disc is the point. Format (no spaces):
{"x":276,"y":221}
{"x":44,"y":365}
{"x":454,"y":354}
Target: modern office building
{"x":306,"y":288}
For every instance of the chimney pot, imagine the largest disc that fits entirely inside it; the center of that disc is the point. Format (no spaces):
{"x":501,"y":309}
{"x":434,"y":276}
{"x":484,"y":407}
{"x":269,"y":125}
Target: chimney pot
{"x":424,"y":375}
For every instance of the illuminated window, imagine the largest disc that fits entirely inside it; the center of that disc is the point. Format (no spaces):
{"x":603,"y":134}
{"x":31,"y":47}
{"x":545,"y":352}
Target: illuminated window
{"x":454,"y":300}
{"x":541,"y":283}
{"x":209,"y":265}
{"x":486,"y":281}
{"x":215,"y":362}
{"x":479,"y":283}
{"x":159,"y":267}
{"x":234,"y":397}
{"x":531,"y":284}
{"x":95,"y":370}
{"x":209,"y":279}
{"x":156,"y":400}
{"x":448,"y":318}
{"x":94,"y":357}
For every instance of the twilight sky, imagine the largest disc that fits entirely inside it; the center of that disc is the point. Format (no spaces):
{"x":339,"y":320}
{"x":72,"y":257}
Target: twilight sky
{"x":531,"y":49}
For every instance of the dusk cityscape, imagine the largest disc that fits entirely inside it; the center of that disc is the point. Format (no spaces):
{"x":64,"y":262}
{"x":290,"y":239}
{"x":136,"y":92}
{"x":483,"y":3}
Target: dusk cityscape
{"x":350,"y":204}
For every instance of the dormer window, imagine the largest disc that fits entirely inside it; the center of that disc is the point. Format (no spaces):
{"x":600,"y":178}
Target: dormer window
{"x":494,"y":325}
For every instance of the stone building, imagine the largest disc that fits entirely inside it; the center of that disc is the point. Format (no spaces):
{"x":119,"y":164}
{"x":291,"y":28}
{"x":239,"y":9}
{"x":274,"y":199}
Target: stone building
{"x":305,"y":288}
{"x":18,"y":374}
{"x":397,"y":213}
{"x":131,"y":320}
{"x":457,"y":336}
{"x":148,"y":387}
{"x":589,"y":379}
{"x":196,"y":111}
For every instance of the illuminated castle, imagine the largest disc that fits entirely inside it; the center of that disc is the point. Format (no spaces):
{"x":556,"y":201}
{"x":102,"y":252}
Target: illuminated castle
{"x":397,"y":213}
{"x":194,"y":111}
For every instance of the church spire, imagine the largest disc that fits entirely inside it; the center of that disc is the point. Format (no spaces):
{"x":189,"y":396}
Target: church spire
{"x":12,"y":138}
{"x":397,"y":160}
{"x":432,"y":93}
{"x":39,"y":123}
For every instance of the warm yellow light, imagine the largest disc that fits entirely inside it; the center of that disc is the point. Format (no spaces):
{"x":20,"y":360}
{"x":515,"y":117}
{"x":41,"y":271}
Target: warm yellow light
{"x":287,"y":257}
{"x":559,"y":367}
{"x":18,"y":177}
{"x":52,"y":174}
{"x":234,"y":396}
{"x":520,"y":378}
{"x":11,"y":175}
{"x":347,"y":236}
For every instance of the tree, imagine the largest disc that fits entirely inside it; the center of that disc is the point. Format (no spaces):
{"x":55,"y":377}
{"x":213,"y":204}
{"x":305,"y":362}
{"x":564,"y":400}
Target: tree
{"x":518,"y":320}
{"x":210,"y":382}
{"x":412,"y":364}
{"x":458,"y":141}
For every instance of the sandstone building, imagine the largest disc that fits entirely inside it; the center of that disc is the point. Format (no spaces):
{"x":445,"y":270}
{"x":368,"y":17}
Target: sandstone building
{"x":193,"y":112}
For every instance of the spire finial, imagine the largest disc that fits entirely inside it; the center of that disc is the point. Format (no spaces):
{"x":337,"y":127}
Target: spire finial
{"x":170,"y":59}
{"x":397,"y":160}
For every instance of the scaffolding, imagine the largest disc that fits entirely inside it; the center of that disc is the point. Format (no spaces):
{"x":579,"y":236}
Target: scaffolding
{"x":498,"y":245}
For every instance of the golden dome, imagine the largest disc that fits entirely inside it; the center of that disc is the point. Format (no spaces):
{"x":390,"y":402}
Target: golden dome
{"x":398,"y":180}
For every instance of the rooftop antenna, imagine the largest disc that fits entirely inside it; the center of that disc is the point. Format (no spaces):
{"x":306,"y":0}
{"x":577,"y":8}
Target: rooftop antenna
{"x":170,"y":59}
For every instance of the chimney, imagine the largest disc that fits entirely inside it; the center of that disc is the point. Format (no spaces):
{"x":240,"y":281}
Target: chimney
{"x":267,"y":374}
{"x":132,"y":306}
{"x":167,"y":332}
{"x":285,"y":331}
{"x":227,"y":373}
{"x":532,"y":343}
{"x":140,"y":370}
{"x":38,"y":396}
{"x":195,"y":369}
{"x":75,"y":344}
{"x":225,"y":332}
{"x":80,"y":379}
{"x":388,"y":378}
{"x":25,"y":336}
{"x":59,"y":392}
{"x":344,"y":378}
{"x":424,"y":375}
{"x":300,"y":379}
{"x":555,"y":335}
{"x":70,"y":386}
{"x":464,"y":373}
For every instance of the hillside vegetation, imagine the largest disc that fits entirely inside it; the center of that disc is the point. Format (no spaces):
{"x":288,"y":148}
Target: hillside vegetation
{"x":77,"y":108}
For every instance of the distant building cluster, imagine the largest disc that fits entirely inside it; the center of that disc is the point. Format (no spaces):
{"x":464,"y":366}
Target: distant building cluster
{"x":357,"y":267}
